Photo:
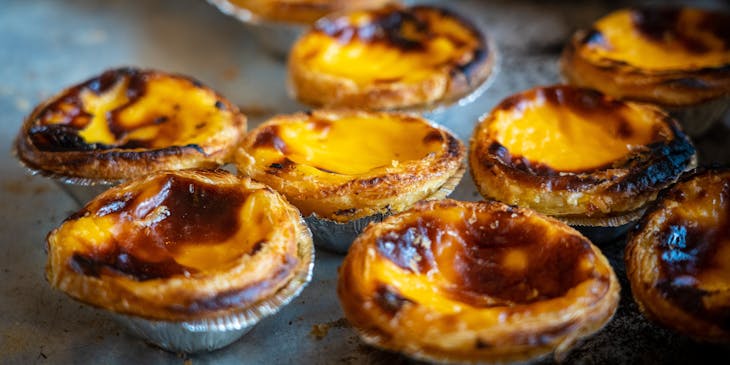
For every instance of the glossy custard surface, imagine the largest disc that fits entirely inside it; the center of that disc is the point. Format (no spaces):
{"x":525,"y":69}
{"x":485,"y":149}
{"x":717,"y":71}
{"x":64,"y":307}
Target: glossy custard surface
{"x":390,"y":45}
{"x":131,"y":109}
{"x":693,"y":248}
{"x":457,"y":259}
{"x":570,"y":129}
{"x":171,"y":226}
{"x":350,"y":145}
{"x":661,"y":39}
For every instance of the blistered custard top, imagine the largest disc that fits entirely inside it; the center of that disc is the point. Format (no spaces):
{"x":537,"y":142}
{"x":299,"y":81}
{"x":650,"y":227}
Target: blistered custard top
{"x":391,"y":45}
{"x":169,"y":226}
{"x":570,"y":129}
{"x":465,"y":258}
{"x":131,"y":109}
{"x":661,"y":39}
{"x":692,"y":246}
{"x":346,"y":144}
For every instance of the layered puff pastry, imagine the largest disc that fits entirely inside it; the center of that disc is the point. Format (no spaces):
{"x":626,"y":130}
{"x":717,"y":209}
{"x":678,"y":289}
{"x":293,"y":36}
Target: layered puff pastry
{"x":577,"y":155}
{"x":390,"y":58}
{"x":301,"y":11}
{"x":475,"y":282}
{"x":343,"y":165}
{"x":128,"y":123}
{"x":678,"y":258}
{"x":180,"y":246}
{"x":674,"y":57}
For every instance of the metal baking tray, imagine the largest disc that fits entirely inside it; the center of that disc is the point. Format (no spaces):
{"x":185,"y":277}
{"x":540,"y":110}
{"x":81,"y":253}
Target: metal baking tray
{"x":46,"y":45}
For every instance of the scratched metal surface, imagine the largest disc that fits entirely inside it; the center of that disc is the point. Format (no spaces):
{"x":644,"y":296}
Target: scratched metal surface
{"x":47,"y":44}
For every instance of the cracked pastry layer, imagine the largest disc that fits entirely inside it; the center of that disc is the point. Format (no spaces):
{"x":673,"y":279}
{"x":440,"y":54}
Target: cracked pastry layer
{"x":343,"y":165}
{"x":475,"y":282}
{"x":678,"y":258}
{"x":177,"y":246}
{"x":127,"y":123}
{"x":389,"y":58}
{"x":577,"y":154}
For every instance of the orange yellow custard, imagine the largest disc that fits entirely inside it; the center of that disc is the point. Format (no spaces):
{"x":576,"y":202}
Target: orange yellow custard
{"x":344,"y":165}
{"x":302,"y":11}
{"x":391,"y":58}
{"x":178,"y":246}
{"x":475,"y":282}
{"x":129,"y":122}
{"x":671,"y":56}
{"x":576,"y":152}
{"x":678,"y":261}
{"x":661,"y":39}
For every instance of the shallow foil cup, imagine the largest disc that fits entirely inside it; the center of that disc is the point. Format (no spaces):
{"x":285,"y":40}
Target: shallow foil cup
{"x":214,"y":333}
{"x":696,"y":120}
{"x":338,"y":237}
{"x":605,"y":230}
{"x":275,"y":37}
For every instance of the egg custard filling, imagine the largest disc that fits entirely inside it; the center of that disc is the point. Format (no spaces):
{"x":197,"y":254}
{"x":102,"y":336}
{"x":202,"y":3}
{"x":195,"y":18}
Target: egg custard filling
{"x":670,"y":56}
{"x":577,"y":154}
{"x":179,"y":246}
{"x":475,"y":282}
{"x":126,"y":123}
{"x":678,"y":261}
{"x":344,"y":165}
{"x":390,"y":58}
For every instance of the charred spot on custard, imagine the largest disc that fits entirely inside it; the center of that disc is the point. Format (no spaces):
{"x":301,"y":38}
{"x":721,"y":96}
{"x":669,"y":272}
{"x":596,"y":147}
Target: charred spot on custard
{"x":660,"y":24}
{"x":119,"y":261}
{"x":389,"y":299}
{"x":284,"y":164}
{"x":410,"y":248}
{"x":494,"y":267}
{"x":270,"y":137}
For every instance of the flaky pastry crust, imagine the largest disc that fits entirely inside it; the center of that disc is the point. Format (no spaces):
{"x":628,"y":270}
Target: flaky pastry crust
{"x":483,"y":282}
{"x":672,"y":57}
{"x":638,"y":151}
{"x":390,"y":58}
{"x":179,"y":246}
{"x":128,"y":123}
{"x":677,"y":259}
{"x":343,"y":165}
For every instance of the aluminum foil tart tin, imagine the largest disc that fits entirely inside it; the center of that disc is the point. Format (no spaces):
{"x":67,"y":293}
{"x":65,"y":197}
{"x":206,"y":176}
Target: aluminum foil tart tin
{"x":696,"y":120}
{"x":275,"y":37}
{"x":603,"y":235}
{"x":338,"y":237}
{"x":215,"y":333}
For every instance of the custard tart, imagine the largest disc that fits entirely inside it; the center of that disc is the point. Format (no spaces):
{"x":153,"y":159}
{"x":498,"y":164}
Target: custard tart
{"x":203,"y":249}
{"x":577,"y":155}
{"x":345,"y":165}
{"x":475,"y":282}
{"x":299,"y":11}
{"x":128,"y":123}
{"x":678,"y":58}
{"x":678,"y":258}
{"x":390,"y":58}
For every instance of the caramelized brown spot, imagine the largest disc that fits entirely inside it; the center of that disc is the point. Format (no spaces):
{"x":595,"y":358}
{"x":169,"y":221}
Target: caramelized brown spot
{"x":389,"y":299}
{"x":269,"y":137}
{"x":686,"y":249}
{"x":410,"y":247}
{"x":433,"y":136}
{"x":183,"y":212}
{"x":320,"y":125}
{"x":660,"y":24}
{"x":550,"y":271}
{"x":280,"y":166}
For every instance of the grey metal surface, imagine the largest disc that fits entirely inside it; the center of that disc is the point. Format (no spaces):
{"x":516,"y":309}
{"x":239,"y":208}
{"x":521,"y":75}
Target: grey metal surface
{"x":46,"y":45}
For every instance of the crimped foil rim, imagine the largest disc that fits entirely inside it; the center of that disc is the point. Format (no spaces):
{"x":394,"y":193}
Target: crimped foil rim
{"x":334,"y":233}
{"x":614,"y":221}
{"x":253,"y":313}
